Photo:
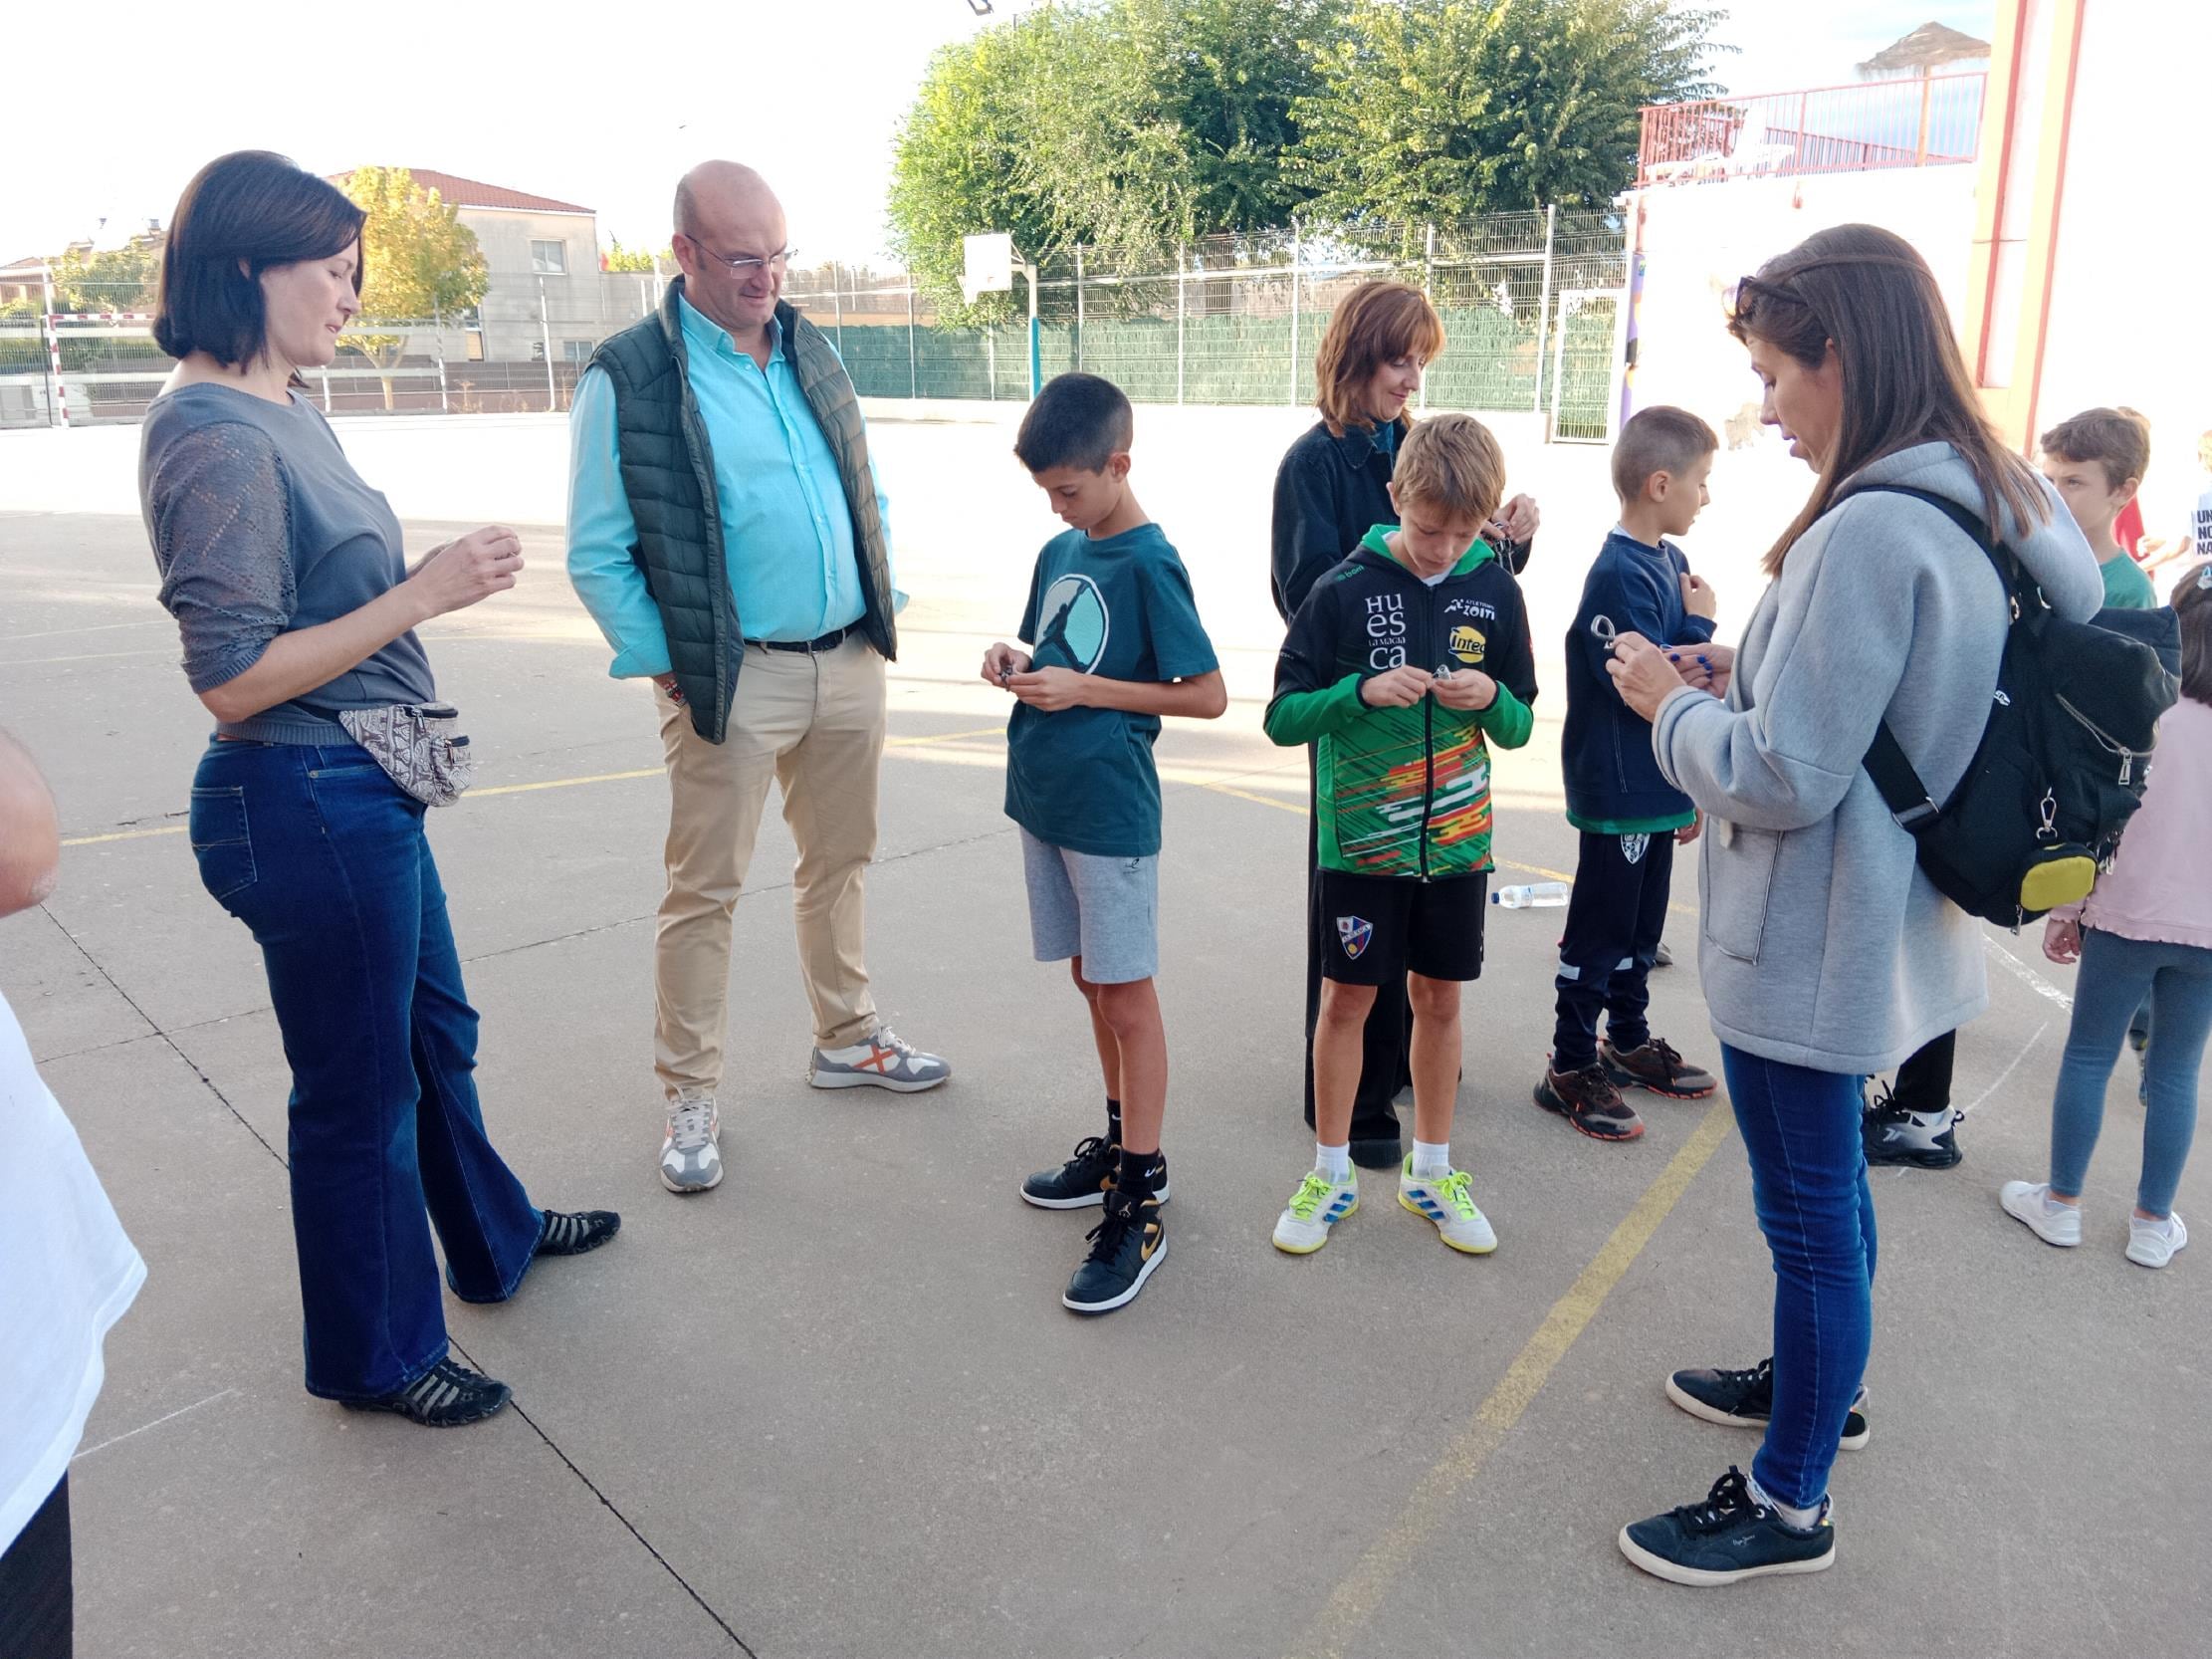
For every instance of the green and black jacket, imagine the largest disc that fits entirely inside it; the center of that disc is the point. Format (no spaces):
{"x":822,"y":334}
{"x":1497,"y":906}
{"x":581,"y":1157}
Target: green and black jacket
{"x":1404,"y":791}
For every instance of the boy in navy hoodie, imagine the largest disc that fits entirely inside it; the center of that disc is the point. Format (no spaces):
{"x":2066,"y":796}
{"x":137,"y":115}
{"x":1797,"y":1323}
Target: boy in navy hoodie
{"x":1630,"y":816}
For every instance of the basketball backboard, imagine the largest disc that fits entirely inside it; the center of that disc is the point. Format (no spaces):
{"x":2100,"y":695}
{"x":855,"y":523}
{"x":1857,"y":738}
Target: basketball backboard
{"x":989,"y":267}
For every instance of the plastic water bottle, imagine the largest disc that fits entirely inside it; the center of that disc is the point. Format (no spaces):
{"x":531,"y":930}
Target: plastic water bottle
{"x":1532,"y":895}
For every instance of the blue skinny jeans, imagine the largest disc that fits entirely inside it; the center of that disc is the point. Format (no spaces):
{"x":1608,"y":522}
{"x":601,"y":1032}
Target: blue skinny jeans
{"x":2117,"y":974}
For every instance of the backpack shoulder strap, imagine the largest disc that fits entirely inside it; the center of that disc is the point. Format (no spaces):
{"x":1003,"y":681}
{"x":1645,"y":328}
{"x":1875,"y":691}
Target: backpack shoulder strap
{"x":2007,"y":567}
{"x":1899,"y":785}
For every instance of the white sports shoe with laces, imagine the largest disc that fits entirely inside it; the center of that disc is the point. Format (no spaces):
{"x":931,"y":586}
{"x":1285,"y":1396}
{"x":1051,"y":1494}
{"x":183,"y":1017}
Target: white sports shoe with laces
{"x":879,"y":1060}
{"x":691,"y":1152}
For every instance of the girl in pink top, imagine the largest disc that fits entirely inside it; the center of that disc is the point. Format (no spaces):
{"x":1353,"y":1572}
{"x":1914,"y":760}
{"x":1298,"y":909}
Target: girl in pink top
{"x":2147,"y":927}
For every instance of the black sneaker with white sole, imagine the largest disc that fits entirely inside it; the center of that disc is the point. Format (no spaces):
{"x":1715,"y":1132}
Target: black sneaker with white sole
{"x":1728,"y":1537}
{"x":1084,"y":1180}
{"x":1125,"y":1245}
{"x":446,"y":1396}
{"x":1745,"y":1400}
{"x":1918,"y":1139}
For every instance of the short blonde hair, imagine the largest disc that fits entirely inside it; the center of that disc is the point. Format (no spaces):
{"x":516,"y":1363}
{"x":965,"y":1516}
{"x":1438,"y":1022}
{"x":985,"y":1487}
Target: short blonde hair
{"x":1451,"y":463}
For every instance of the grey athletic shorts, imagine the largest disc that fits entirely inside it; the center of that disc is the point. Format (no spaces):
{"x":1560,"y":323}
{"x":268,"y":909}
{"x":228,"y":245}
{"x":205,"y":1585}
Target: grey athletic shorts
{"x":1105,"y":910}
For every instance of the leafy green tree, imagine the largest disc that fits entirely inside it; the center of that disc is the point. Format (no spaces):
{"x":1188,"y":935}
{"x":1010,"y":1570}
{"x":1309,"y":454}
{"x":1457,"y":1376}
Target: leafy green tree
{"x":619,"y":258}
{"x":119,"y":279}
{"x":421,"y":262}
{"x":1449,"y":108}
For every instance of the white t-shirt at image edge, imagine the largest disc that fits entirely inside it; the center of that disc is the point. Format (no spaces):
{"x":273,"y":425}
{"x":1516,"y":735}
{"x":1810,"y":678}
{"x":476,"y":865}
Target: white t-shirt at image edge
{"x":67,"y":1273}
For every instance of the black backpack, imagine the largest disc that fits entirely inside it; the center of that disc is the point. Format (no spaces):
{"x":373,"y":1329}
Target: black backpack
{"x":2061,"y":766}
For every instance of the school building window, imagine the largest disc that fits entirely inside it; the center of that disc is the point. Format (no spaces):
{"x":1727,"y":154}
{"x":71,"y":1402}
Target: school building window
{"x":549,"y":259}
{"x":576,"y":350}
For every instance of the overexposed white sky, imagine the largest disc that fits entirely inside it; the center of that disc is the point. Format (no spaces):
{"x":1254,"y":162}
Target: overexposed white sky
{"x":596,"y":104}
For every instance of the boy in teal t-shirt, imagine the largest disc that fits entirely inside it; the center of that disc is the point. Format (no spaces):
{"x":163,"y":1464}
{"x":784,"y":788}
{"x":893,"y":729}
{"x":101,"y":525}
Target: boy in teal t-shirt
{"x":1115,"y":642}
{"x":2097,"y":460}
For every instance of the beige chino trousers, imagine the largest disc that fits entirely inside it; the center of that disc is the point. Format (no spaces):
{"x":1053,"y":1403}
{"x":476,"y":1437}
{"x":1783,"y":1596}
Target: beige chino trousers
{"x":814,"y":724}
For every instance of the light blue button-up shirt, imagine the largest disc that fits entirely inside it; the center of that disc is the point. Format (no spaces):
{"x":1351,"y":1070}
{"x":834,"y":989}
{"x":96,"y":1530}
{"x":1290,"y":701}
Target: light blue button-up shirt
{"x":787,"y":531}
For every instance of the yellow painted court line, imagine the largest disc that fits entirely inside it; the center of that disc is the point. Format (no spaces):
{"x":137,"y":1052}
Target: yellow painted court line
{"x":1503,"y":864}
{"x":1363,"y":1589}
{"x":122,"y":836}
{"x":552,"y":784}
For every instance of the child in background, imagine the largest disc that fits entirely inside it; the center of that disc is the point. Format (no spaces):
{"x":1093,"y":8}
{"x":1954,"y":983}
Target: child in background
{"x":2097,"y":460}
{"x":1630,"y":817}
{"x":1116,"y":643}
{"x":1403,"y":794}
{"x":2147,"y":927}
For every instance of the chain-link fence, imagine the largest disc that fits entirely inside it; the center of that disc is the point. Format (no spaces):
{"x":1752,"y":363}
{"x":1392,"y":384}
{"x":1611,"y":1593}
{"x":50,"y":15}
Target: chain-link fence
{"x":1532,"y":306}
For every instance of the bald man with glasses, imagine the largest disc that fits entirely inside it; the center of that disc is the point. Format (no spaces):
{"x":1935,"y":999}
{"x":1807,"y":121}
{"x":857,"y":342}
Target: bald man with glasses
{"x":727,"y":532}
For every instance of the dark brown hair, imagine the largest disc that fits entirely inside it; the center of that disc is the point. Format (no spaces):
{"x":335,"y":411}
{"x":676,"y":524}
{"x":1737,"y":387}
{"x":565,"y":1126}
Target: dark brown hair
{"x":2118,"y":440}
{"x":1661,"y":438}
{"x":1381,"y":321}
{"x":1077,"y":420}
{"x":2192,"y":602}
{"x":1867,"y":291}
{"x":243,"y":213}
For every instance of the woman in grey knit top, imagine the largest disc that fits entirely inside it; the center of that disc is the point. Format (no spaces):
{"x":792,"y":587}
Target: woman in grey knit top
{"x":1825,"y":953}
{"x":287,"y":579}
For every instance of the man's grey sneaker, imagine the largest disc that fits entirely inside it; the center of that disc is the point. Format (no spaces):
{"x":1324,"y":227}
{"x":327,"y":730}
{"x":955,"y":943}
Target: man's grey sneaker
{"x":446,"y":1396}
{"x":1728,"y":1537}
{"x":878,"y":1062}
{"x":1745,"y":1400}
{"x":691,"y":1152}
{"x":1920,"y":1139}
{"x":1125,"y":1245}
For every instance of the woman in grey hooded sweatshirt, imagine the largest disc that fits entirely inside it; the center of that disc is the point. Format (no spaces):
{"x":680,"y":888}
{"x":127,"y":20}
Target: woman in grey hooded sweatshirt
{"x":1825,"y":954}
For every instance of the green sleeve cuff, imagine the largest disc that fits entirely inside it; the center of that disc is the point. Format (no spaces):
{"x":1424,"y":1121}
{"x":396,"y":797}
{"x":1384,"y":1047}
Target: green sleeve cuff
{"x":1299,"y":717}
{"x":1508,"y":721}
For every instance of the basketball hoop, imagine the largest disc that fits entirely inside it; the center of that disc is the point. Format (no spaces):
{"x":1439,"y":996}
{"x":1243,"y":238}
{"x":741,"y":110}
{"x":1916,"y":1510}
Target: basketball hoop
{"x":990,"y":265}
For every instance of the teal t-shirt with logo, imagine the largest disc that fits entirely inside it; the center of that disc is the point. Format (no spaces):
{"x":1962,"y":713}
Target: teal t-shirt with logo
{"x":1121,"y":607}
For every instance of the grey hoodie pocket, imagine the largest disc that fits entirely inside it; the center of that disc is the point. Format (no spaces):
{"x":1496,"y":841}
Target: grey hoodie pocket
{"x":1739,"y":883}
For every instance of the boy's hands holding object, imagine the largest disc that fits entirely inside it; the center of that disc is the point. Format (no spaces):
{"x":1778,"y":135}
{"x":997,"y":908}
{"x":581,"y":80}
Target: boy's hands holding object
{"x":1002,"y":662}
{"x":2062,"y":939}
{"x":1697,"y":597}
{"x":1400,"y":688}
{"x":1047,"y":689}
{"x":1690,"y":831}
{"x":1466,"y":689}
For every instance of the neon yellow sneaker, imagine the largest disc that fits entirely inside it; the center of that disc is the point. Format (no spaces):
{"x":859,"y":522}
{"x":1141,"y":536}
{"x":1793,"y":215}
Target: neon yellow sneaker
{"x":1318,"y":1205}
{"x":1448,"y":1204}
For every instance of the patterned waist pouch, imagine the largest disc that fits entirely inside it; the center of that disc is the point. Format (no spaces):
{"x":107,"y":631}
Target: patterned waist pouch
{"x":420,"y":746}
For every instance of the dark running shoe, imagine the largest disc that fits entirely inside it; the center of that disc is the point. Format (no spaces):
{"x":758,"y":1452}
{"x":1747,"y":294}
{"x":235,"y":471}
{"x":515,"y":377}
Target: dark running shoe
{"x":1082,"y":1181}
{"x":1588,"y":1099}
{"x":1125,"y":1245}
{"x":573,"y":1232}
{"x":1923,"y":1140}
{"x":1745,"y":1400}
{"x":446,"y":1396}
{"x":1728,"y":1537}
{"x":1657,"y":1067}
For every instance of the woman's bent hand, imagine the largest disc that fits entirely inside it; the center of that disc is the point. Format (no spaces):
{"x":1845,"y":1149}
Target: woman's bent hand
{"x":1641,"y":675}
{"x":468,"y":571}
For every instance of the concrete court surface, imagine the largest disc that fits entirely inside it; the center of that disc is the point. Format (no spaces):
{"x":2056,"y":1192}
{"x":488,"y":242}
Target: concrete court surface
{"x":835,"y":1407}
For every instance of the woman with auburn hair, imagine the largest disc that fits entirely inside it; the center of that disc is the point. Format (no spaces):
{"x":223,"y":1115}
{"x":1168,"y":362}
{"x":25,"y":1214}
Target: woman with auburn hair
{"x":298,"y":609}
{"x":1332,"y":488}
{"x":1825,"y":954}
